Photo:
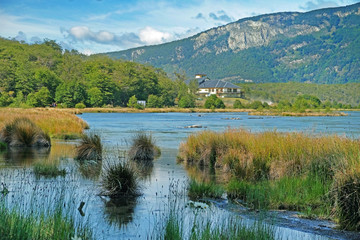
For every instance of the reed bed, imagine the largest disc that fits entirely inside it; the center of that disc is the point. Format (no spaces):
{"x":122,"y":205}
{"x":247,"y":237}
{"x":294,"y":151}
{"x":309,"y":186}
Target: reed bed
{"x":48,"y":170}
{"x":56,"y":122}
{"x":296,"y":171}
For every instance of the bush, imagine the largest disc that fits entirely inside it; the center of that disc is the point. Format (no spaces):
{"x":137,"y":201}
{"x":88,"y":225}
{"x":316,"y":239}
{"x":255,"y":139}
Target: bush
{"x":80,"y":105}
{"x":22,"y":132}
{"x":187,"y":101}
{"x":238,"y":104}
{"x":214,"y":102}
{"x":120,"y":179}
{"x":143,"y":147}
{"x":154,"y":101}
{"x":90,"y":147}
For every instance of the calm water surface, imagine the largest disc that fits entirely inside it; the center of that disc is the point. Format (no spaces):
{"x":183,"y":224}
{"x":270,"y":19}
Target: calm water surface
{"x":136,"y":218}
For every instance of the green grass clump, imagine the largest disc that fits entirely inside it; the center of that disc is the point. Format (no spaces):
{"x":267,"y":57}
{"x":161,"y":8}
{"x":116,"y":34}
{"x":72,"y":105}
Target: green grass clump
{"x":198,"y":190}
{"x":90,"y":147}
{"x":48,"y":170}
{"x":143,"y":147}
{"x":22,"y":132}
{"x":348,"y":200}
{"x":120,"y":179}
{"x":17,"y":226}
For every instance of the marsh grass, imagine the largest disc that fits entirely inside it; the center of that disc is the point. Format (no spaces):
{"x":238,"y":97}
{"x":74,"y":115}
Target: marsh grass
{"x":3,"y":146}
{"x":22,"y":132}
{"x":120,"y":179}
{"x":198,"y":190}
{"x":48,"y":170}
{"x":143,"y":147}
{"x":90,"y":147}
{"x":293,"y":171}
{"x":57,"y":123}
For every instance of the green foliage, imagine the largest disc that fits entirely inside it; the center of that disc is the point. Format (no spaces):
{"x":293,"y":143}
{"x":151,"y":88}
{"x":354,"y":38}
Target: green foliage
{"x":198,"y":190}
{"x":80,"y":105}
{"x":187,"y":101}
{"x":154,"y":101}
{"x":214,"y":102}
{"x":40,"y":74}
{"x":133,"y":103}
{"x":238,"y":104}
{"x":48,"y":170}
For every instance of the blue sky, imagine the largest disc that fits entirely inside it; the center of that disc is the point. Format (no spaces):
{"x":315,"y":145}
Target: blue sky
{"x":94,"y":26}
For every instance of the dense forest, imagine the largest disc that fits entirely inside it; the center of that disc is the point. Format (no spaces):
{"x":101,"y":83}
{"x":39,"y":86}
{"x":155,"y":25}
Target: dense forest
{"x":321,"y":46}
{"x":42,"y":74}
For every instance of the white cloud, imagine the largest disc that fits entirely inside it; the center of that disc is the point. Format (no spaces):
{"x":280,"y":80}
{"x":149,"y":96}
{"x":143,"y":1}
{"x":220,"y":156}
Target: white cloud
{"x":149,"y":35}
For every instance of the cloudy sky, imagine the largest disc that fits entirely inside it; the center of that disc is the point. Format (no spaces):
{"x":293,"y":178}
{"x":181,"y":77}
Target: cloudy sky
{"x":93,"y":26}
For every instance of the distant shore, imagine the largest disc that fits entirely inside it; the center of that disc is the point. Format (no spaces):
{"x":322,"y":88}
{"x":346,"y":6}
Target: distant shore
{"x":299,"y":114}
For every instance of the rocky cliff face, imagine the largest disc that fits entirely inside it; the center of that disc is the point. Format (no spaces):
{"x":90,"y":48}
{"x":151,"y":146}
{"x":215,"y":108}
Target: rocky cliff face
{"x":262,"y":33}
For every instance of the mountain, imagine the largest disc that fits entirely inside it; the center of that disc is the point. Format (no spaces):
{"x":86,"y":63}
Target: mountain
{"x":321,"y":46}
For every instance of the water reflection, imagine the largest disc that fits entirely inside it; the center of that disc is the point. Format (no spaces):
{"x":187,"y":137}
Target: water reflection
{"x":90,"y":169}
{"x":145,"y":169}
{"x":207,"y":174}
{"x":120,"y":211}
{"x":24,"y":156}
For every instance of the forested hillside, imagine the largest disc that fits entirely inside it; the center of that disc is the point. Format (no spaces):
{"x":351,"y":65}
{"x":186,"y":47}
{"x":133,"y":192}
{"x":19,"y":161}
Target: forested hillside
{"x":321,"y":46}
{"x":337,"y":94}
{"x":40,"y":74}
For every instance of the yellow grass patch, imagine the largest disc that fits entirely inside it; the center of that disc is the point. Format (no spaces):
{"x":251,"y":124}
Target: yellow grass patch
{"x":56,"y":122}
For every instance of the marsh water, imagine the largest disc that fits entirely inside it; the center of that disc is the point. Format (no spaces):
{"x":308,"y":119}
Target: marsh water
{"x":138,"y":218}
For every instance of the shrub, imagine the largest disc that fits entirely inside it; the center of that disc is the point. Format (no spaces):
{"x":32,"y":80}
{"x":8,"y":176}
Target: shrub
{"x":90,"y":147}
{"x":238,"y":104}
{"x":143,"y":147}
{"x":187,"y":101}
{"x":120,"y":179}
{"x":80,"y":105}
{"x":154,"y":101}
{"x":214,"y":102}
{"x":24,"y":133}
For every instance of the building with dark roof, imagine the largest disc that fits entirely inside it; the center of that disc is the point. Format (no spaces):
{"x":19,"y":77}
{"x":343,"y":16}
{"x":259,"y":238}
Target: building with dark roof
{"x":221,"y":88}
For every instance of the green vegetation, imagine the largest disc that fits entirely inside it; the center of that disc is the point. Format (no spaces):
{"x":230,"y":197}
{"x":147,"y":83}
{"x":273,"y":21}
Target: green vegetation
{"x":120,"y":179}
{"x":22,"y":132}
{"x":328,"y":55}
{"x":214,"y":102}
{"x":285,"y":94}
{"x":199,"y":190}
{"x":90,"y":147}
{"x":3,"y":146}
{"x":295,"y":171}
{"x":238,"y":104}
{"x":41,"y":74}
{"x":143,"y":147}
{"x":15,"y":225}
{"x":48,"y":170}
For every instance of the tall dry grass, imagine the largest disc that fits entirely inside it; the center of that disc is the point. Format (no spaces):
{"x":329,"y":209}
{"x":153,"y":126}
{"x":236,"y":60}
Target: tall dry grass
{"x":56,"y":122}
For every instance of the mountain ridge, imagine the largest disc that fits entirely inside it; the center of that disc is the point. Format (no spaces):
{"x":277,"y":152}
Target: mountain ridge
{"x":276,"y":47}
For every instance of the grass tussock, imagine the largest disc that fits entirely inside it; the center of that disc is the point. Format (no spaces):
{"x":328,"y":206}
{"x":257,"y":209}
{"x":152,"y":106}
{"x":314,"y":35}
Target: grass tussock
{"x":57,"y":123}
{"x":143,"y":147}
{"x":14,"y":225}
{"x":22,"y":132}
{"x":197,"y":190}
{"x":90,"y":147}
{"x":293,"y":171}
{"x":120,"y":179}
{"x":48,"y":170}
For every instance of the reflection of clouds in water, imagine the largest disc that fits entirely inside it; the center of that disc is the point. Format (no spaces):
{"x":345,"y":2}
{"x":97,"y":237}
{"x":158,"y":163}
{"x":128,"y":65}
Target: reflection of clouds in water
{"x":120,"y":211}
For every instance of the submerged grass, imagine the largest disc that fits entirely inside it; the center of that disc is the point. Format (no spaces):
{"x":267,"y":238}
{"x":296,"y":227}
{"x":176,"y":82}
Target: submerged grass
{"x":48,"y":170}
{"x":90,"y":147}
{"x":293,"y":171}
{"x":58,"y":123}
{"x":199,"y":190}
